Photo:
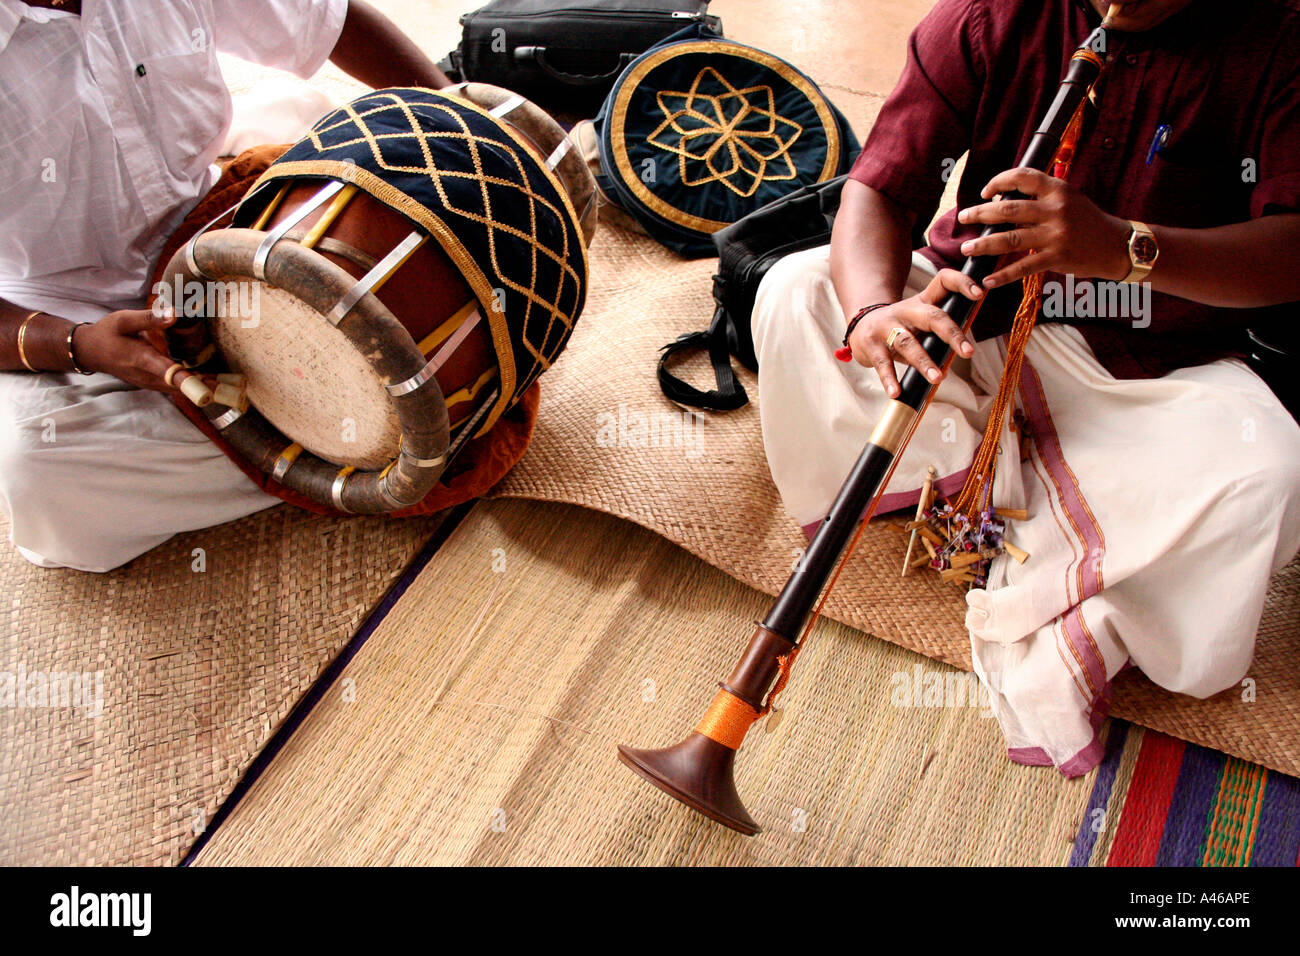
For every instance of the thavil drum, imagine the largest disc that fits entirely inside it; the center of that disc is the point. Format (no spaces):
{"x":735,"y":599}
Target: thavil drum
{"x":404,"y":273}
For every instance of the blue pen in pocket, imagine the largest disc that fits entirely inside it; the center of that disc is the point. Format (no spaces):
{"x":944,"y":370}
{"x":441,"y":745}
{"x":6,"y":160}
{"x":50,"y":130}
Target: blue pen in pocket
{"x":1158,"y":141}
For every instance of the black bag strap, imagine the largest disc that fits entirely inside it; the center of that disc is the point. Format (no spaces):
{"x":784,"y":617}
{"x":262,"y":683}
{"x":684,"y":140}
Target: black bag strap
{"x":797,"y":221}
{"x":730,"y":394}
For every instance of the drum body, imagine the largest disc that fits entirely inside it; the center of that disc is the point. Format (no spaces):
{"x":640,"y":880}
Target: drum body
{"x":386,"y":290}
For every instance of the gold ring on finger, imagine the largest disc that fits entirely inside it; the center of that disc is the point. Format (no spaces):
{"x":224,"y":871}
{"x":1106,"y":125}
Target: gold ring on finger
{"x":893,"y":335}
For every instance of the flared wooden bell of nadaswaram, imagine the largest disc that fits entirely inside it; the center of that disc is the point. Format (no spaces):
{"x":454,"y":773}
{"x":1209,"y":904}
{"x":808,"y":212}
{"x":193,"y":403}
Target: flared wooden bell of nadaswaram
{"x":700,"y":771}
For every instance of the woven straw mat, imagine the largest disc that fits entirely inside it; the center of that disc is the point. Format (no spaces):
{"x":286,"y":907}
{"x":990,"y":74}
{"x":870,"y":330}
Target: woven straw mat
{"x":198,"y":669}
{"x":482,"y":730}
{"x":706,"y":486}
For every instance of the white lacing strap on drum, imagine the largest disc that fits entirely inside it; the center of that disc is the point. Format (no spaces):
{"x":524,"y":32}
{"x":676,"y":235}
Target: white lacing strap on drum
{"x":439,"y":357}
{"x":558,"y":154}
{"x":422,"y":462}
{"x":226,"y":419}
{"x":336,"y":490}
{"x":285,"y":461}
{"x":377,"y":276}
{"x":190,"y":262}
{"x":393,"y":501}
{"x":472,"y":423}
{"x":508,"y":106}
{"x":298,"y":215}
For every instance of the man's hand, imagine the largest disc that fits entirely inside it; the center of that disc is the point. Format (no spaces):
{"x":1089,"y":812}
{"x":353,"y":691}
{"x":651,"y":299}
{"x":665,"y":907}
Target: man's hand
{"x":916,"y":315}
{"x":116,"y":344}
{"x":1066,"y":230}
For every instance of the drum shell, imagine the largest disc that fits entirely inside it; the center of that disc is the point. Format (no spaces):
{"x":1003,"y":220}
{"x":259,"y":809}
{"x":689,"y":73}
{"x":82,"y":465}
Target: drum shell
{"x":370,"y":329}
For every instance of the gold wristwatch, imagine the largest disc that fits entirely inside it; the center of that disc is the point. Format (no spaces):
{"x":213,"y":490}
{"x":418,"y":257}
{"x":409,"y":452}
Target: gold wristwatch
{"x":1142,"y":251}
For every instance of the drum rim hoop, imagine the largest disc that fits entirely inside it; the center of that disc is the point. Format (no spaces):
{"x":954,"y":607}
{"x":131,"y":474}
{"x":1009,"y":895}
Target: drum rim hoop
{"x":226,"y":255}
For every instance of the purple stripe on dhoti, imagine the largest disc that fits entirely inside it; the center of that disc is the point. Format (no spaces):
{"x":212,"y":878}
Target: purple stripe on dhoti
{"x":1071,"y":498}
{"x":897,"y":500}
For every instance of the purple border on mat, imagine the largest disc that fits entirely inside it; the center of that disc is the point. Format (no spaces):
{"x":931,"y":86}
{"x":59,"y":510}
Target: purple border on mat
{"x":328,"y":676}
{"x":1086,"y":839}
{"x":1277,"y":840}
{"x":1183,"y":842}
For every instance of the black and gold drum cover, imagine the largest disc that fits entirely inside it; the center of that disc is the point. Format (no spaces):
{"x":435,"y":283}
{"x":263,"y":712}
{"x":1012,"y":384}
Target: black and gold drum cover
{"x":480,"y":192}
{"x":697,"y":133}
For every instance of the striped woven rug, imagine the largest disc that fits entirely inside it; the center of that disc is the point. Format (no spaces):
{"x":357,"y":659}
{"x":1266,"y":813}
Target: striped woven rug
{"x":1160,"y":801}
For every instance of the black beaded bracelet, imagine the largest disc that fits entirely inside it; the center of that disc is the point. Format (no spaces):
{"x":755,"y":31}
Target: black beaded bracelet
{"x":861,"y":314}
{"x":72,"y":356}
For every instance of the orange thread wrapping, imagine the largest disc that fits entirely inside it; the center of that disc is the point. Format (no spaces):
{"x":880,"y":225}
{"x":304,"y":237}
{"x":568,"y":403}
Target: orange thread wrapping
{"x":727,"y":720}
{"x":976,"y":495}
{"x":1091,"y":56}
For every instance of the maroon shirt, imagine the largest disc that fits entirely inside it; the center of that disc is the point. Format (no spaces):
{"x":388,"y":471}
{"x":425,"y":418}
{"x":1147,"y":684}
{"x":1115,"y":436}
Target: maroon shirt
{"x":981,"y":74}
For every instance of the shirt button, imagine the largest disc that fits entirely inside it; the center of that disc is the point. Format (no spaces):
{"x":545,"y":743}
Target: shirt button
{"x":1108,"y":142}
{"x":1131,"y":59}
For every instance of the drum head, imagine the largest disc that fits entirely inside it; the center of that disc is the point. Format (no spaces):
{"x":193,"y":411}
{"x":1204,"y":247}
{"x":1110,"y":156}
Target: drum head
{"x":306,"y":378}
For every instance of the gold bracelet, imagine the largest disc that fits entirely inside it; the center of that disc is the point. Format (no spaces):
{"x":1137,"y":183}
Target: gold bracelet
{"x":72,"y":355}
{"x":22,"y":335}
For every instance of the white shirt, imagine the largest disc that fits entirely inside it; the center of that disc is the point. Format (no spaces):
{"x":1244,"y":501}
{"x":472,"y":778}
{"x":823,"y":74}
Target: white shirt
{"x":109,"y":123}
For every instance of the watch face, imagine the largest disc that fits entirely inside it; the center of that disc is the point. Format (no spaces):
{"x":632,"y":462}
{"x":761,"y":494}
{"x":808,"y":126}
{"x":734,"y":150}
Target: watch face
{"x":1143,"y":249}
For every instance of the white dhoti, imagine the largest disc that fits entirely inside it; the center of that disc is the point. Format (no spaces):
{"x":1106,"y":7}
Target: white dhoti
{"x":94,"y":472}
{"x":1158,"y":508}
